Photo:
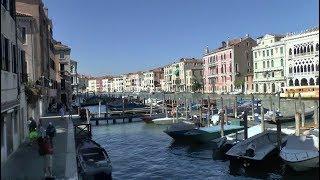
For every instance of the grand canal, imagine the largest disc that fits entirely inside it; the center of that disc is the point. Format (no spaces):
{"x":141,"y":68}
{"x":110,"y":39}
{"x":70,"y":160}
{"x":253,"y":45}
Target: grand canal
{"x":143,"y":151}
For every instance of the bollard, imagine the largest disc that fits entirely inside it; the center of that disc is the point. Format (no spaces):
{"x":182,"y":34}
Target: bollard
{"x":222,"y":122}
{"x":316,"y":115}
{"x":278,"y":133}
{"x":262,"y":119}
{"x":302,"y":114}
{"x":245,"y":120}
{"x":99,"y":109}
{"x":252,"y":106}
{"x":297,"y":120}
{"x":235,"y":107}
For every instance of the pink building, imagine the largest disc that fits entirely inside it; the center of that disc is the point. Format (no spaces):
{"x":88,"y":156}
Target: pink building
{"x":225,"y":67}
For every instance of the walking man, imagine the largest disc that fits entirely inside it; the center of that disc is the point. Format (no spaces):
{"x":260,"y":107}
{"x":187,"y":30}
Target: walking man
{"x":50,"y":132}
{"x":46,"y":151}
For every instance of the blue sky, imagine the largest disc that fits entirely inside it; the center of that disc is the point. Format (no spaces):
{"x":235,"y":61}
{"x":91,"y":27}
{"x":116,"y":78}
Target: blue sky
{"x":121,"y":36}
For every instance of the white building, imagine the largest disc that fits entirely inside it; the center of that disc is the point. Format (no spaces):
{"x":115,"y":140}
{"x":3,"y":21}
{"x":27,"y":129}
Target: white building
{"x":269,"y":64}
{"x":92,"y":85}
{"x":151,"y":80}
{"x":302,"y":58}
{"x":118,"y":84}
{"x":175,"y":74}
{"x":107,"y":85}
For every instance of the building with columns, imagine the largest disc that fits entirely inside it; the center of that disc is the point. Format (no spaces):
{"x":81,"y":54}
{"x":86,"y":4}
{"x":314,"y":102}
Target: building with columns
{"x":225,"y":67}
{"x":302,"y":58}
{"x":175,"y":74}
{"x":269,"y":64}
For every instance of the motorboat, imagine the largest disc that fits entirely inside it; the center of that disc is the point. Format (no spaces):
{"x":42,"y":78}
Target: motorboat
{"x":177,"y":130}
{"x":148,"y":119}
{"x":93,"y":160}
{"x":167,"y":120}
{"x":284,"y":118}
{"x":256,"y":149}
{"x":301,"y":153}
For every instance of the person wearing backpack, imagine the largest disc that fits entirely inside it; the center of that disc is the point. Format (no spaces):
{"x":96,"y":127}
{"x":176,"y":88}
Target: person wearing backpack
{"x":50,"y":132}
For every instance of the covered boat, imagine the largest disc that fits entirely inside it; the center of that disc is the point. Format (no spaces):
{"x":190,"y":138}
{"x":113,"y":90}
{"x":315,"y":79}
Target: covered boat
{"x":301,"y":153}
{"x":177,"y":130}
{"x":93,"y":160}
{"x":256,"y":149}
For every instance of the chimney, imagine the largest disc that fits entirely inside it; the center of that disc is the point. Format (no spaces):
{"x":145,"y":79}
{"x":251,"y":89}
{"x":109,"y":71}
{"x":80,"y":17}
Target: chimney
{"x":223,"y":43}
{"x":207,"y":49}
{"x":45,"y":11}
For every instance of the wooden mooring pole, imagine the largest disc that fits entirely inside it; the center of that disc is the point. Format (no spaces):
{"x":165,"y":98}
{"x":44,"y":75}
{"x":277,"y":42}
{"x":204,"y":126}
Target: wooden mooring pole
{"x":245,"y":120}
{"x":222,"y":117}
{"x":235,"y":107}
{"x":123,"y":109}
{"x":297,"y":120}
{"x":252,"y":106}
{"x":262,"y":118}
{"x":208,"y":112}
{"x":316,"y":115}
{"x":303,"y":118}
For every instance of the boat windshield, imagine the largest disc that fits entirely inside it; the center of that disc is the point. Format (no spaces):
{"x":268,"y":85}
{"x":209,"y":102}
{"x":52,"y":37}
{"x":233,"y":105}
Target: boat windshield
{"x":92,"y":154}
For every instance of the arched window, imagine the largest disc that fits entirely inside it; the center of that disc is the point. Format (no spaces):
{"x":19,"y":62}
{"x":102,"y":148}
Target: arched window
{"x":291,"y":82}
{"x":308,"y":48}
{"x":295,"y":51}
{"x":273,"y":87}
{"x":304,"y":82}
{"x":230,"y":68}
{"x":311,"y":48}
{"x":230,"y":55}
{"x":301,"y":68}
{"x":282,"y":84}
{"x":221,"y":56}
{"x":264,"y":64}
{"x":281,"y":61}
{"x":311,"y":81}
{"x":309,"y":68}
{"x":304,"y":49}
{"x":317,"y":47}
{"x":298,"y":69}
{"x":298,"y":50}
{"x":296,"y":82}
{"x":290,"y":51}
{"x":305,"y":68}
{"x":224,"y":56}
{"x":264,"y":88}
{"x":221,"y":69}
{"x":257,"y":88}
{"x":268,"y":64}
{"x":290,"y":69}
{"x":312,"y":68}
{"x":272,"y":63}
{"x":294,"y":70}
{"x":301,"y":49}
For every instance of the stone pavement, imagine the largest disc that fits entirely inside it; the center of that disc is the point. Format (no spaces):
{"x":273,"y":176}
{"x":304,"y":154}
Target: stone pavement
{"x":26,"y":163}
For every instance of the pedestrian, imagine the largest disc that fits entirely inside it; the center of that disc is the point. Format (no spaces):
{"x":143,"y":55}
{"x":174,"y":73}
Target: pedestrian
{"x":46,"y":151}
{"x":32,"y":131}
{"x":40,"y":129}
{"x":50,"y":132}
{"x":61,"y":111}
{"x":32,"y":124}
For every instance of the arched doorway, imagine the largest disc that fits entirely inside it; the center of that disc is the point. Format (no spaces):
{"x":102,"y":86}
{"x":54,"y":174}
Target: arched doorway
{"x":296,"y":82}
{"x":291,"y":82}
{"x":264,"y":88}
{"x":273,"y":87}
{"x":304,"y":82}
{"x":311,"y":81}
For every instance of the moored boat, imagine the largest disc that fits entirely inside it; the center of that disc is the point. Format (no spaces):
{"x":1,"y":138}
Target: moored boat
{"x":177,"y":130}
{"x":301,"y":153}
{"x":148,"y":119}
{"x":93,"y":160}
{"x":167,"y":120}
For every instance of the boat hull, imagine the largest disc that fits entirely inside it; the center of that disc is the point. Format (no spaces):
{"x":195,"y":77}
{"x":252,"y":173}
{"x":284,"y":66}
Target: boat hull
{"x":304,"y":165}
{"x":166,"y":121}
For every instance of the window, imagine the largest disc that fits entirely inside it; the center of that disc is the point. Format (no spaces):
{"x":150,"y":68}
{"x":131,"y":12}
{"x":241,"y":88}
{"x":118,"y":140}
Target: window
{"x":268,"y":64}
{"x":264,"y":64}
{"x":224,"y":56}
{"x":247,"y":54}
{"x":317,"y":47}
{"x":4,"y":53}
{"x":230,"y":54}
{"x":294,"y":51}
{"x":271,"y":51}
{"x":61,"y":55}
{"x":290,"y":69}
{"x":263,"y":53}
{"x":255,"y":54}
{"x":272,"y":63}
{"x":281,"y":50}
{"x":237,"y":68}
{"x":281,"y":61}
{"x":272,"y":74}
{"x":24,"y":35}
{"x":267,"y":52}
{"x":255,"y":65}
{"x":249,"y":64}
{"x":14,"y":59}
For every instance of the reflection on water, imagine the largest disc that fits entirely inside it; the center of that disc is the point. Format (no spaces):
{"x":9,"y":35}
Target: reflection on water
{"x":144,"y":151}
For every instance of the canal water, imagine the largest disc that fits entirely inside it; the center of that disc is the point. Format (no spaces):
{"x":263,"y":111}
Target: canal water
{"x":143,"y":151}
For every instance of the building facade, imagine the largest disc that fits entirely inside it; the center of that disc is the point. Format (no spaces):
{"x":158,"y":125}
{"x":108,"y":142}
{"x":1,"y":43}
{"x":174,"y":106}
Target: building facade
{"x":248,"y":84}
{"x":13,"y":101}
{"x":269,"y":64}
{"x":118,"y":84}
{"x":302,"y":58}
{"x":151,"y":80}
{"x":74,"y":77}
{"x":225,"y":67}
{"x":175,"y":74}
